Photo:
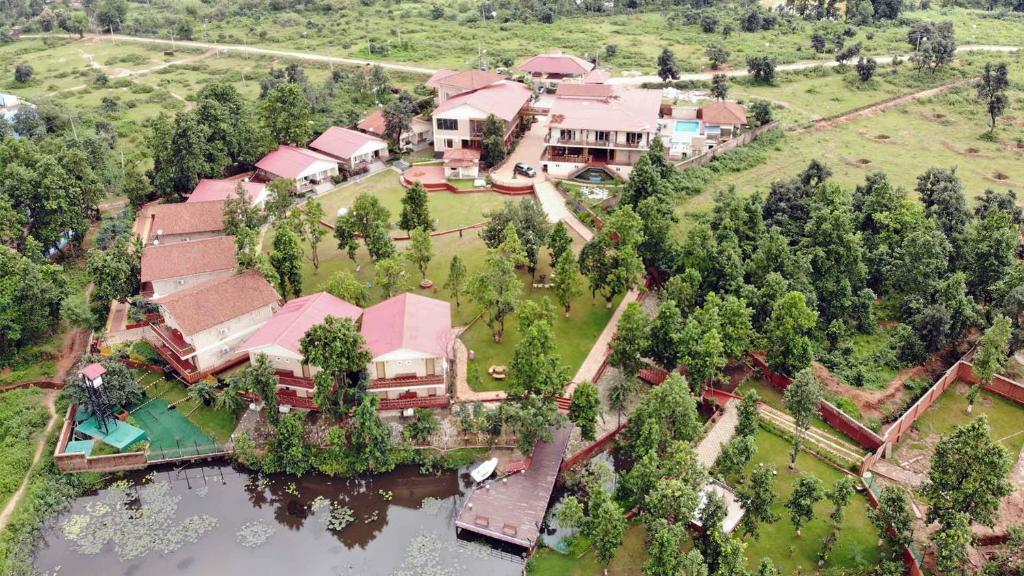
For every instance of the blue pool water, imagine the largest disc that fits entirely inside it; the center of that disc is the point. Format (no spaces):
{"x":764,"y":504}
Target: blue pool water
{"x":687,"y":127}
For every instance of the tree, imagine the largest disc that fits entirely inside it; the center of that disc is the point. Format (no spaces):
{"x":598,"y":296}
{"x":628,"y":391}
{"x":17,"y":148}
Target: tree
{"x":497,"y":289}
{"x":568,"y":284}
{"x":379,"y":243}
{"x":993,"y":350}
{"x":311,"y":229}
{"x":605,"y":525}
{"x":992,"y":92}
{"x":494,"y":149}
{"x":718,"y":54}
{"x":239,"y":213}
{"x":570,"y":513}
{"x":260,"y":379}
{"x":23,"y":73}
{"x":767,"y":567}
{"x":343,"y":284}
{"x":390,"y":274}
{"x":370,"y":438}
{"x":893,"y":519}
{"x":735,"y":455}
{"x":789,"y":346}
{"x":630,"y":341}
{"x":230,"y":399}
{"x":558,"y":242}
{"x":339,"y":350}
{"x":807,"y":492}
{"x":702,"y":352}
{"x":747,"y":414}
{"x":761,"y":111}
{"x":286,"y":259}
{"x":761,"y":69}
{"x":934,"y":43}
{"x":286,"y":114}
{"x":665,"y":549}
{"x":839,"y":496}
{"x":415,"y":210}
{"x":536,"y":368}
{"x":120,"y":385}
{"x":611,"y":260}
{"x":423,"y":426}
{"x":665,"y":337}
{"x":758,"y":498}
{"x":866,"y":68}
{"x":280,"y":193}
{"x":115,"y":271}
{"x":990,"y":251}
{"x":802,"y":398}
{"x":110,"y":14}
{"x":670,"y":410}
{"x":848,"y":53}
{"x":531,"y":224}
{"x":968,"y":475}
{"x":951,"y":544}
{"x":456,"y":282}
{"x":398,"y":115}
{"x":720,"y":86}
{"x":708,"y":541}
{"x":621,"y":393}
{"x":420,"y":253}
{"x":182,"y":154}
{"x":667,"y":67}
{"x":585,"y":409}
{"x":942,"y":194}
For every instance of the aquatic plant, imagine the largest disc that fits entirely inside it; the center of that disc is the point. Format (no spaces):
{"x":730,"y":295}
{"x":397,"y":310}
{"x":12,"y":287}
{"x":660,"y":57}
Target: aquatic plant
{"x":292,"y":489}
{"x":319,"y":503}
{"x":386,"y":494}
{"x":253,"y":534}
{"x":431,"y":505}
{"x":340,"y":517}
{"x":371,"y":517}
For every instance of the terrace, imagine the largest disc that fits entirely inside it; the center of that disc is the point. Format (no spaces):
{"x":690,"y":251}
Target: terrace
{"x":172,"y":339}
{"x":289,"y":379}
{"x":406,"y":382}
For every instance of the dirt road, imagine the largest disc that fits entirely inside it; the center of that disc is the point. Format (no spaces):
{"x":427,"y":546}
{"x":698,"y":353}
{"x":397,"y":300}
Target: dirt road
{"x":12,"y":504}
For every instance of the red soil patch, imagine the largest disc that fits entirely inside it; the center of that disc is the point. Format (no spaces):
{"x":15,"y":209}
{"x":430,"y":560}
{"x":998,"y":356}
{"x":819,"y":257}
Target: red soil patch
{"x":863,"y":161}
{"x":1000,"y":176}
{"x":882,"y":137}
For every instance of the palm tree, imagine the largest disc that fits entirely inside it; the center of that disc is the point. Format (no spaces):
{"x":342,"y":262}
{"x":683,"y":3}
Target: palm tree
{"x":621,"y":393}
{"x":230,"y":399}
{"x":202,"y":391}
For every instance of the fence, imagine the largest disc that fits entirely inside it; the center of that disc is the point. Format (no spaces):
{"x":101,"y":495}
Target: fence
{"x":44,"y":384}
{"x":725,"y":147}
{"x":589,"y":452}
{"x":912,"y":558}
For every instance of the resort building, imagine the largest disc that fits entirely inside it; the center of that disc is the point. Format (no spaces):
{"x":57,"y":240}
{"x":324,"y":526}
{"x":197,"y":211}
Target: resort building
{"x":691,"y":131}
{"x":459,"y":120}
{"x":599,"y":127}
{"x":183,"y":222}
{"x":204,"y":324}
{"x":167,"y":268}
{"x":550,"y":69}
{"x":448,"y":83}
{"x":722,"y":120}
{"x":211,"y":190}
{"x":355,"y":151}
{"x":305,"y":168}
{"x":419,"y":135}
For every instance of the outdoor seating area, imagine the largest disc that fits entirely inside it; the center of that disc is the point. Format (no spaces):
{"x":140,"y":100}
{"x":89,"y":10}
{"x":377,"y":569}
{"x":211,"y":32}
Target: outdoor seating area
{"x":498,"y":372}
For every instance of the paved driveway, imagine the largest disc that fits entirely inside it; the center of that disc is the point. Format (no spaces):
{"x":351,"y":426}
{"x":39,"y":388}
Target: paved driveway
{"x":528,"y":151}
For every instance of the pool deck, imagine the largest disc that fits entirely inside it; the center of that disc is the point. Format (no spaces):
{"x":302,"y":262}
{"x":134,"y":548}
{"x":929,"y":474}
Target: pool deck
{"x":512,"y":509}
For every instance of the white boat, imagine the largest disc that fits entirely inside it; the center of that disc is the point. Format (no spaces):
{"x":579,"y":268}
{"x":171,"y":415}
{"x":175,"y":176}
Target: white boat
{"x":484,"y":470}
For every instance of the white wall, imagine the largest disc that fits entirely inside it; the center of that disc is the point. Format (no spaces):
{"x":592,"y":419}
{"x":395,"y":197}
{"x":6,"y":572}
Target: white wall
{"x":209,"y":343}
{"x":171,"y":285}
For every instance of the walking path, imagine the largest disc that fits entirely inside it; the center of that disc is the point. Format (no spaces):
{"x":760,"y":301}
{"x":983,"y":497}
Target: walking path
{"x":721,"y":432}
{"x":819,"y":438}
{"x":859,"y":114}
{"x":554,"y":206}
{"x":5,"y":514}
{"x":463,"y":393}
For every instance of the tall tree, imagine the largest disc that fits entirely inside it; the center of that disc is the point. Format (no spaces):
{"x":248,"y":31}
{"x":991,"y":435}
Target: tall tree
{"x":456,"y":282}
{"x":339,"y":350}
{"x":260,"y":379}
{"x":568,"y":283}
{"x":558,"y":242}
{"x":789,"y":346}
{"x":992,"y":92}
{"x":390,"y":274}
{"x":839,"y":495}
{"x":630,"y":341}
{"x":311,"y":229}
{"x":343,"y":284}
{"x":665,"y":549}
{"x":758,"y":498}
{"x":531,"y":224}
{"x":611,"y":260}
{"x":942,"y":193}
{"x":893,"y":519}
{"x":286,"y":259}
{"x":286,"y":114}
{"x":747,"y":414}
{"x":807,"y":491}
{"x":951,"y":544}
{"x":668,"y":69}
{"x":494,"y":149}
{"x":536,"y":367}
{"x":585,"y":409}
{"x":720,"y":86}
{"x":665,"y":337}
{"x":605,"y":525}
{"x":497,"y":289}
{"x":239,"y":212}
{"x":994,"y":349}
{"x":370,"y":439}
{"x":990,"y":251}
{"x":420,"y":252}
{"x":280,"y":195}
{"x":802,"y":398}
{"x":115,"y":271}
{"x":415,"y":210}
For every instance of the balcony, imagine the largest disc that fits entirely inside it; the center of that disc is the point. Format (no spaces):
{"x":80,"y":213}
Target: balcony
{"x":289,"y":379}
{"x":406,"y":382}
{"x":172,"y":339}
{"x":405,"y":403}
{"x":554,"y":140}
{"x":570,"y":158}
{"x":185,"y":368}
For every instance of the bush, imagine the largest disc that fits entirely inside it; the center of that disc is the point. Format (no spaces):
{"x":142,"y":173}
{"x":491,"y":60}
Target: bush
{"x":423,"y":425}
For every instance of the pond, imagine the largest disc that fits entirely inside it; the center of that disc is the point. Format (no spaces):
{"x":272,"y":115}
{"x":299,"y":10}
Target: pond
{"x":223,"y":520}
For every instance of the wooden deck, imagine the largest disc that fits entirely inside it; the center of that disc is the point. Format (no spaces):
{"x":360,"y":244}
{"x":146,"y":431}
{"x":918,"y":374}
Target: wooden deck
{"x":512,"y":509}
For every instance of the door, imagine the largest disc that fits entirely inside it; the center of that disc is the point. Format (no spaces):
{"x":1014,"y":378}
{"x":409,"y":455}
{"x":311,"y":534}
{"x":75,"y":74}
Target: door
{"x":305,"y":371}
{"x":379,"y":369}
{"x":431,"y":369}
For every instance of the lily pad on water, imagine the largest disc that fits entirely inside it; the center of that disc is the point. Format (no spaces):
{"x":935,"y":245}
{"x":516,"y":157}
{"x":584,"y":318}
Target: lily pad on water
{"x":254,"y":534}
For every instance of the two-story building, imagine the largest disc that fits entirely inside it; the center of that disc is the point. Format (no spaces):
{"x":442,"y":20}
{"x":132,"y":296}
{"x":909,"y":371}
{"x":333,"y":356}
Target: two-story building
{"x":419,"y":135}
{"x":181,"y":222}
{"x":167,"y":268}
{"x":204,"y":324}
{"x":598,"y":126}
{"x":459,"y":120}
{"x":448,"y":83}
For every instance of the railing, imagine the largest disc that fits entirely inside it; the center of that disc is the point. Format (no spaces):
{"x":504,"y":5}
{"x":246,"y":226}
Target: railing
{"x":187,"y":451}
{"x":425,"y":402}
{"x":404,"y":382}
{"x":172,"y":338}
{"x":557,"y":141}
{"x":184,"y":367}
{"x":575,"y":159}
{"x":288,"y":379}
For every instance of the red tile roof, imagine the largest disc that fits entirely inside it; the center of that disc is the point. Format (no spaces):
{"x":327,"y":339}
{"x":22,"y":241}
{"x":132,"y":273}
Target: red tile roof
{"x":465,"y":80}
{"x":210,"y":190}
{"x":504,"y":99}
{"x":178,"y":259}
{"x":373,"y":123}
{"x":93,"y":371}
{"x":408,"y":322}
{"x":723,"y":113}
{"x":461,"y":157}
{"x":295,"y":318}
{"x":290,"y":161}
{"x":584,"y":90}
{"x":597,"y":76}
{"x":344,"y":143}
{"x":557,"y":63}
{"x":186,"y":218}
{"x":205,"y":305}
{"x":627,"y":110}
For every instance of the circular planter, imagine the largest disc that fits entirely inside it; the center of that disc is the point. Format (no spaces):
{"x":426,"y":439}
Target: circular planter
{"x":424,"y":284}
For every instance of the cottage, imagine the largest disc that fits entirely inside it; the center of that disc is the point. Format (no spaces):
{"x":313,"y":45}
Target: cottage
{"x":722,"y":120}
{"x":204,"y":324}
{"x":601,"y":127}
{"x":305,"y":168}
{"x":459,"y":120}
{"x":417,"y":137}
{"x":167,"y":268}
{"x":356,"y":151}
{"x":449,"y":83}
{"x":213,"y":190}
{"x":183,"y":222}
{"x":461,"y":163}
{"x":556,"y":67}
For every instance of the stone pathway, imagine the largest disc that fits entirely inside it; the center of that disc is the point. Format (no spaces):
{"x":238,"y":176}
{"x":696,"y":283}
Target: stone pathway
{"x":554,"y":205}
{"x":592,"y":363}
{"x":723,"y":430}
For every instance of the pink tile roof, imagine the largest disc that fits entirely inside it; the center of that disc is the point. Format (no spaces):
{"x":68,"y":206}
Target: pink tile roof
{"x":93,"y":371}
{"x":627,"y":110}
{"x":463,"y":80}
{"x":185,"y":218}
{"x":557,"y":63}
{"x":408,"y":322}
{"x":160,"y":262}
{"x":210,"y":190}
{"x":584,"y":90}
{"x":503,"y":99}
{"x":205,"y":305}
{"x":343,"y":142}
{"x":597,"y":76}
{"x":290,"y":161}
{"x":295,"y":318}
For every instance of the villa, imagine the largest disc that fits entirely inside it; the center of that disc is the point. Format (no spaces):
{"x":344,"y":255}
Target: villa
{"x":183,"y":222}
{"x":305,"y":168}
{"x":355,"y":151}
{"x":417,"y":137}
{"x":204,"y":324}
{"x":551,"y":69}
{"x":599,"y":127}
{"x":167,"y":268}
{"x":722,"y":120}
{"x":211,"y":190}
{"x":449,"y":83}
{"x":458,"y":121}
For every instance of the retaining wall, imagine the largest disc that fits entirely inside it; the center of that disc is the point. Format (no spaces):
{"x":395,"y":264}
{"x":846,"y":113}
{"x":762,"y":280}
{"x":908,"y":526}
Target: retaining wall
{"x":44,"y":384}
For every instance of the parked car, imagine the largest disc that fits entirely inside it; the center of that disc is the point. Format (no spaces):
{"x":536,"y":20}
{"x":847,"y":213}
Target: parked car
{"x":525,"y":170}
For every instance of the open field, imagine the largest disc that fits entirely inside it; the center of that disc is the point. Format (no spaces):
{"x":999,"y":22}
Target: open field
{"x":22,"y":418}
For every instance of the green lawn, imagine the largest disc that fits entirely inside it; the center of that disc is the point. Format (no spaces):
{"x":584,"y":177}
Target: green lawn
{"x":628,"y":560}
{"x":216,"y":424}
{"x":773,"y":397}
{"x":22,"y":417}
{"x":1004,"y":416}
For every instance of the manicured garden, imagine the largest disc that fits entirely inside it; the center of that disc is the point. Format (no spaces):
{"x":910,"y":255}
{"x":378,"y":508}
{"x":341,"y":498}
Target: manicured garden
{"x":627,"y":562}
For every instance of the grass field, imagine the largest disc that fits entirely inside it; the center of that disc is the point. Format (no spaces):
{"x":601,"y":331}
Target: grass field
{"x":627,"y":562}
{"x":22,"y":418}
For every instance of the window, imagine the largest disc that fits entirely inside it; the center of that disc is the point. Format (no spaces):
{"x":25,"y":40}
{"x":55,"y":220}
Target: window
{"x":447,"y":124}
{"x":565,"y":134}
{"x":601,"y":135}
{"x":634,"y":138}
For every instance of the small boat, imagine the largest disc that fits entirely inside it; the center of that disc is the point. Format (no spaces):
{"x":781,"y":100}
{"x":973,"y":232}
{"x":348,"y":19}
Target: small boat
{"x":484,"y":470}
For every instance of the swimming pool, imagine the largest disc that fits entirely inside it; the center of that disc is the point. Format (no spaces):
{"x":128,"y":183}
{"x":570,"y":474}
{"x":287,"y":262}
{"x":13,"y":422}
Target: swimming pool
{"x":687,"y":127}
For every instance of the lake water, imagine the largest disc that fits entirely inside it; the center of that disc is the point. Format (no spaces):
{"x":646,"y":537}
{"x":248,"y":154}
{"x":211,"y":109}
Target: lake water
{"x":224,"y":521}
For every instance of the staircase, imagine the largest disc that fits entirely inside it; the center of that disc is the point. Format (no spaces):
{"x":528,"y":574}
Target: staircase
{"x":563,"y":404}
{"x":818,"y":439}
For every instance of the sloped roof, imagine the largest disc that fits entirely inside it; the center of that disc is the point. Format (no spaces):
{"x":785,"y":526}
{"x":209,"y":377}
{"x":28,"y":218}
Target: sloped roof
{"x":373,"y":123}
{"x":295,"y":318}
{"x":408,"y":322}
{"x":187,"y":218}
{"x":93,"y":371}
{"x":343,"y":142}
{"x":557,"y":63}
{"x":723,"y":113}
{"x":464,"y":80}
{"x":503,"y":99}
{"x":211,"y":190}
{"x":629,"y":110}
{"x":597,"y":76}
{"x":461,"y":157}
{"x":207,"y":304}
{"x":584,"y":90}
{"x":179,"y":259}
{"x":291,"y":161}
